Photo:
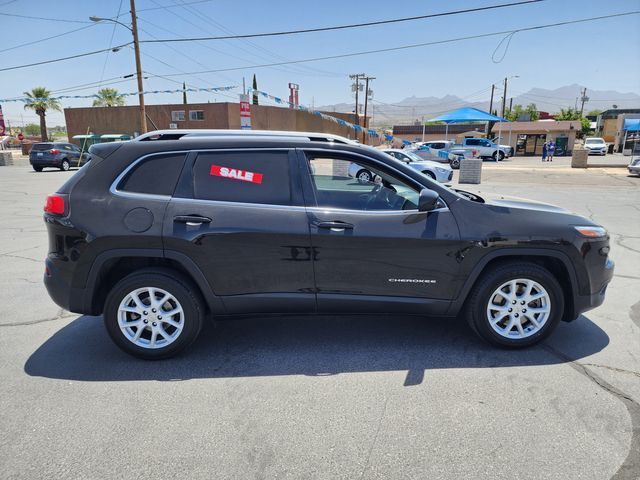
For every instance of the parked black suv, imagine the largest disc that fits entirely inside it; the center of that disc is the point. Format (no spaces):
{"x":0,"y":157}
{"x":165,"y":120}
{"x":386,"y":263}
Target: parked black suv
{"x":159,"y":232}
{"x":60,"y":155}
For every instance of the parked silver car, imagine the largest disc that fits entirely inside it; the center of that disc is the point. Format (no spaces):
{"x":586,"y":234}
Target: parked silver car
{"x":436,"y":171}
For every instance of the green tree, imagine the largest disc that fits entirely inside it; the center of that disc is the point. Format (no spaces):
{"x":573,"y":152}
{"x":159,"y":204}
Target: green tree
{"x":38,"y":100}
{"x":255,"y":87}
{"x":532,"y":110}
{"x":108,"y":97}
{"x":31,"y":129}
{"x":513,"y":114}
{"x":568,"y":114}
{"x":594,"y":113}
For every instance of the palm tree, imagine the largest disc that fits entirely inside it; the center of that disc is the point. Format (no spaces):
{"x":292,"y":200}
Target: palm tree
{"x":108,"y":97}
{"x":38,"y":99}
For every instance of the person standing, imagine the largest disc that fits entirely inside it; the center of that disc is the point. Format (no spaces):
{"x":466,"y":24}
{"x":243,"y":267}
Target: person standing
{"x":551,"y":149}
{"x":544,"y":152}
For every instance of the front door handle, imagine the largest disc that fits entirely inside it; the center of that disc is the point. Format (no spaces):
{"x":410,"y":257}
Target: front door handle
{"x":335,"y":226}
{"x":191,"y":220}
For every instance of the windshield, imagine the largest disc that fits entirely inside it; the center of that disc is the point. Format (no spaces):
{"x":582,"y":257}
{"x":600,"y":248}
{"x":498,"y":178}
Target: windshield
{"x":594,"y":140}
{"x":414,"y":157}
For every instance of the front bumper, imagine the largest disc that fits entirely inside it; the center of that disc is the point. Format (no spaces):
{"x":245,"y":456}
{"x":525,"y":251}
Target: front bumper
{"x":596,"y":151}
{"x":584,"y":303}
{"x":634,"y":169}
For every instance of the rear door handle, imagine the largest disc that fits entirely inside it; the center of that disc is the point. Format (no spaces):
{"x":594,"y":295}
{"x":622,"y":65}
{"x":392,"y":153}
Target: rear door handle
{"x":335,"y":226}
{"x":191,"y":220}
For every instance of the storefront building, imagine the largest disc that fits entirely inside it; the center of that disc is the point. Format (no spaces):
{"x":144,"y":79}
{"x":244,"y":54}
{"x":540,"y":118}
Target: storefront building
{"x":527,"y":138}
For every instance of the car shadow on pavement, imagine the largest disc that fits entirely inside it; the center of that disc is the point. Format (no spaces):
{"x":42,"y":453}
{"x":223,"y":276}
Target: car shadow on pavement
{"x":305,"y":345}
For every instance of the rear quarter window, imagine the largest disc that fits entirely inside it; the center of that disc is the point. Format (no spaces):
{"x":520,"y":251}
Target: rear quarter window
{"x":246,"y":177}
{"x":156,"y":175}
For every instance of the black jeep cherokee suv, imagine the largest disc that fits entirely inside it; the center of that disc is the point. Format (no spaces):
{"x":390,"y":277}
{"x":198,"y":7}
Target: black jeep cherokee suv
{"x":160,"y":232}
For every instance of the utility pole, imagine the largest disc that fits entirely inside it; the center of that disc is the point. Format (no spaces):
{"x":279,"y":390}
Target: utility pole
{"x":583,"y":99}
{"x":136,"y":48}
{"x":366,"y":103}
{"x":493,"y":87}
{"x":504,"y":97}
{"x":356,"y":87}
{"x":510,"y":104}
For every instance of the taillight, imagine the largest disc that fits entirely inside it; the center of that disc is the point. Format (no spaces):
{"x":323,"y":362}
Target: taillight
{"x":54,"y":151}
{"x":54,"y":205}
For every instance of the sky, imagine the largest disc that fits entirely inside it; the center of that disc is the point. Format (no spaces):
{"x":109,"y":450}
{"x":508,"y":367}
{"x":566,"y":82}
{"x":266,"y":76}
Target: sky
{"x":601,"y":55}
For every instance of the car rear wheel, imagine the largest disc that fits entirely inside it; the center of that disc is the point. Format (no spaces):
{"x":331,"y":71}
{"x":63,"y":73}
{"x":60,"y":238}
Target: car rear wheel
{"x":429,"y":174}
{"x":65,"y":165}
{"x":515,"y":305}
{"x":37,"y":169}
{"x":153,"y":314}
{"x":364,"y":176}
{"x":498,"y":156}
{"x":455,"y":163}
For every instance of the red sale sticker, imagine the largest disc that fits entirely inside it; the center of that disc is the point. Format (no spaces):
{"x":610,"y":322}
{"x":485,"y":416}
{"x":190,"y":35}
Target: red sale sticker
{"x":235,"y":174}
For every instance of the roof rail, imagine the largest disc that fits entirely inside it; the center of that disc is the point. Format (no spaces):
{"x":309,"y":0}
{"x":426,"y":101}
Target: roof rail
{"x":176,"y":134}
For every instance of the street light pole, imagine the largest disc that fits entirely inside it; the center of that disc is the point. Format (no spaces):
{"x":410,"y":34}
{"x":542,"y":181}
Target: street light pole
{"x":136,"y":48}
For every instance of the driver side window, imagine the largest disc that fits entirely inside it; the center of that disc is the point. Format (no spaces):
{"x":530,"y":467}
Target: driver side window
{"x":340,"y":183}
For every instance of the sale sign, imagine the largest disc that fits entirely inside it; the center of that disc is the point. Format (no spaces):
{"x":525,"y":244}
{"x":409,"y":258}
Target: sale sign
{"x":235,"y":174}
{"x":245,"y":112}
{"x":2,"y":127}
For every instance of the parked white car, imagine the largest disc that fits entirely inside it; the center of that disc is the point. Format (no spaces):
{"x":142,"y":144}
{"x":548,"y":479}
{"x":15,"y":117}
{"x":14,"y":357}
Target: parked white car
{"x":434,"y":170}
{"x":442,"y":151}
{"x":595,"y":145}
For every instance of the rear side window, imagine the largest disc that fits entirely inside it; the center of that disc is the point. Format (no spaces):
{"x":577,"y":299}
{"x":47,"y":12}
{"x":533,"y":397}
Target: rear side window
{"x":247,"y":177}
{"x":155,"y":175}
{"x":42,"y":146}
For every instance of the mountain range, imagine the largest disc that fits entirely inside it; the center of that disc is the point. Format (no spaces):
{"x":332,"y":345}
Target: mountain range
{"x":414,"y":108}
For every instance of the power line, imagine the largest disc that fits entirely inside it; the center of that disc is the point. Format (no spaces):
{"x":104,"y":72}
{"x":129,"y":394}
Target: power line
{"x":44,"y":62}
{"x":417,"y":45}
{"x":353,"y":25}
{"x":49,"y":19}
{"x":48,"y":38}
{"x":113,"y":33}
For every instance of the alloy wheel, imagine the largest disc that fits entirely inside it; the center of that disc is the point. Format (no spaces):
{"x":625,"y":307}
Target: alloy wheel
{"x":518,"y":308}
{"x":150,"y":317}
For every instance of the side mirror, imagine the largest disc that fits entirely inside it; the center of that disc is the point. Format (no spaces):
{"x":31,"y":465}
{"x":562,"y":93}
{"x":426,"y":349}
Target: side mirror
{"x":428,"y":200}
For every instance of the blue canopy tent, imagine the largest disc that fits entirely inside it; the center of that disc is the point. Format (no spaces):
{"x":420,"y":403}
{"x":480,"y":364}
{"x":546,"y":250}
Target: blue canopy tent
{"x":631,"y":124}
{"x":466,"y":114}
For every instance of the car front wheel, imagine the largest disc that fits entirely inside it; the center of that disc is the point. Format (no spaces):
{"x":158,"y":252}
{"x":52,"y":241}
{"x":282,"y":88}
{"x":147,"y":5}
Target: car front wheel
{"x":364,"y":176}
{"x":515,"y":305}
{"x":429,"y":174}
{"x":153,"y":314}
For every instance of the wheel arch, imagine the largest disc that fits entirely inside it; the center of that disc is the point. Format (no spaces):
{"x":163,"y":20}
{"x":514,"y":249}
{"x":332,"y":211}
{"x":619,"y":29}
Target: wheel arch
{"x":556,"y":262}
{"x":110,"y":267}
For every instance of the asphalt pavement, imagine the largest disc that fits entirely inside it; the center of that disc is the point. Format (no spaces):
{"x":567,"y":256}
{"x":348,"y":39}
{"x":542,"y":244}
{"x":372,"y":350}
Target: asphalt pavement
{"x":326,"y":397}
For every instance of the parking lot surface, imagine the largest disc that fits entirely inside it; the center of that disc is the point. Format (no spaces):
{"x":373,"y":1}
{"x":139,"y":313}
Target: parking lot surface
{"x":324,"y":397}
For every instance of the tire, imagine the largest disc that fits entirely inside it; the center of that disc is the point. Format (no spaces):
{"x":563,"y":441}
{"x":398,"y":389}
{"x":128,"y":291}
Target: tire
{"x":429,"y":174}
{"x":455,"y":163}
{"x":364,"y":176}
{"x":485,"y":295}
{"x":65,"y":165}
{"x":498,"y":156}
{"x":37,"y":169}
{"x":172,"y":340}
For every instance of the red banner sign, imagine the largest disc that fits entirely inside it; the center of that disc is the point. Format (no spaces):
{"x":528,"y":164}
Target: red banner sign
{"x":235,"y":174}
{"x":2,"y":126}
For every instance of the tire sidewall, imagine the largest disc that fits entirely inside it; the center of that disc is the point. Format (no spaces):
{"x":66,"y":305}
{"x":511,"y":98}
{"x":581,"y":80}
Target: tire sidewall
{"x":500,"y":276}
{"x":360,"y":172}
{"x":182,"y":291}
{"x":65,"y":165}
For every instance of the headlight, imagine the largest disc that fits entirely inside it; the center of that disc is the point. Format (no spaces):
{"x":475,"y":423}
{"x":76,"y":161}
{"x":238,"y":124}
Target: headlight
{"x":591,"y":232}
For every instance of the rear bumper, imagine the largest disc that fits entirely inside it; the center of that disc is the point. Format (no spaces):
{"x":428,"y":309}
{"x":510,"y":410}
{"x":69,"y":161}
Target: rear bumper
{"x":45,"y":162}
{"x":634,"y":169}
{"x":65,"y":296}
